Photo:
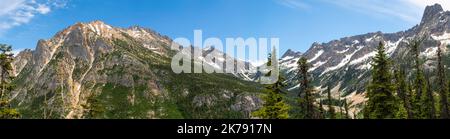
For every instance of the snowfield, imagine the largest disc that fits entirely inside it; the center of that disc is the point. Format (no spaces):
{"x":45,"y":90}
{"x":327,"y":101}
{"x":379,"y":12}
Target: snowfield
{"x":316,"y":56}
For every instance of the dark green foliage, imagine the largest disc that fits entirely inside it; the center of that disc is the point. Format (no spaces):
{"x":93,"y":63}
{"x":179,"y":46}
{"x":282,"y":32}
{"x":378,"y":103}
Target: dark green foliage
{"x":321,"y":110}
{"x":274,"y":106}
{"x":380,"y":92}
{"x":443,"y":87}
{"x":346,"y":108}
{"x":6,"y":77}
{"x":419,"y":81}
{"x":403,"y":92}
{"x":208,"y":85}
{"x":429,"y":109}
{"x":94,"y":108}
{"x":305,"y":94}
{"x":331,"y":111}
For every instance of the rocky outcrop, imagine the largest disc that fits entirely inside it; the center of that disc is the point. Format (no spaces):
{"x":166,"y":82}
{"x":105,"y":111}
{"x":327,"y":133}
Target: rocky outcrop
{"x":122,"y":72}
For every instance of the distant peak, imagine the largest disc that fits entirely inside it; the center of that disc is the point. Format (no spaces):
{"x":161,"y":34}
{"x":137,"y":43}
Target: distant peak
{"x":436,"y":8}
{"x":140,"y":28}
{"x":97,"y":22}
{"x":291,"y":53}
{"x":431,"y":11}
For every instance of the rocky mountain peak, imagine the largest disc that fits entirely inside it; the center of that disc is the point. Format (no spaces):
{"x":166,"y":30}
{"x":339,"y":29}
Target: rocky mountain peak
{"x":291,"y":53}
{"x":434,"y":20}
{"x":127,"y":69}
{"x":432,"y":10}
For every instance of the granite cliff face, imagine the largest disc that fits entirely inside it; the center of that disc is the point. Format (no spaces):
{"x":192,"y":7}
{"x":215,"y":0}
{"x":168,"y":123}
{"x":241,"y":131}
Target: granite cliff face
{"x":94,"y":70}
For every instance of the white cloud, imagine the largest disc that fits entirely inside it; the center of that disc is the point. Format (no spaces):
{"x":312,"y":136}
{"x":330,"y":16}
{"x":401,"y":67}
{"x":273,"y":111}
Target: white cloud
{"x":407,"y":10}
{"x":14,"y":13}
{"x":43,"y":9}
{"x":398,"y":9}
{"x":294,"y":4}
{"x":421,"y":4}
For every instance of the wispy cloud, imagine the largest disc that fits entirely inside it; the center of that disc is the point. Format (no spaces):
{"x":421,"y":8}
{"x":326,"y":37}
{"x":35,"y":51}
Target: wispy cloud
{"x":406,"y":10}
{"x":14,"y":13}
{"x":294,"y":4}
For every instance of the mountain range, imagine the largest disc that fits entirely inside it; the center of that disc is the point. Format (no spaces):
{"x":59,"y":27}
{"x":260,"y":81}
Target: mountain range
{"x":344,"y":65}
{"x":94,"y":70}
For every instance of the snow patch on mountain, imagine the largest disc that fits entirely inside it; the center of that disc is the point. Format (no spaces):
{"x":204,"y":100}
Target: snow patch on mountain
{"x":318,"y":54}
{"x":430,"y":52}
{"x":343,"y":51}
{"x":444,"y":38}
{"x":392,"y":46}
{"x":344,"y":62}
{"x":287,"y":58}
{"x":364,"y":58}
{"x":317,"y":65}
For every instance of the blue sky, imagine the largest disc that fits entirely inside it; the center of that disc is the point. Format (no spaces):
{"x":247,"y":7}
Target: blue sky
{"x":298,"y":23}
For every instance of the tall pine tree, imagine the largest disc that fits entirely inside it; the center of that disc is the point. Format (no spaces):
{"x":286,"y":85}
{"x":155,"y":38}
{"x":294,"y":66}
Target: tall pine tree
{"x":429,"y":107}
{"x":419,"y":81}
{"x":380,"y":92}
{"x":6,"y":76}
{"x":346,"y":108}
{"x":321,"y":110}
{"x":403,"y":92}
{"x":443,"y":87}
{"x":307,"y":100}
{"x":341,"y":113}
{"x":274,"y":106}
{"x":331,"y":111}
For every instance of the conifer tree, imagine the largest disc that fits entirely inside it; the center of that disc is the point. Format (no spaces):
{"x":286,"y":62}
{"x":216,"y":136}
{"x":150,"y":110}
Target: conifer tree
{"x":274,"y":106}
{"x":403,"y":92}
{"x":419,"y":82}
{"x":428,"y":103}
{"x":321,"y":110}
{"x":94,"y":107}
{"x":443,"y":86}
{"x":6,"y":58}
{"x":346,"y":108}
{"x":341,"y":113}
{"x":380,"y":92}
{"x":307,"y":101}
{"x":331,"y":111}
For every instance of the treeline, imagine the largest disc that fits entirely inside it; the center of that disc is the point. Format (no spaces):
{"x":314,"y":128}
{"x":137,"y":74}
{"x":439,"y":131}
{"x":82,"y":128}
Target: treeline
{"x":276,"y":107}
{"x":6,"y":76}
{"x":392,"y":93}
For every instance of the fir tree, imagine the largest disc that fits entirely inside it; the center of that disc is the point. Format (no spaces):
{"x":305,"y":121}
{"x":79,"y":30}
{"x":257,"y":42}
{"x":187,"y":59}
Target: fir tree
{"x":443,"y":87}
{"x":431,"y":102}
{"x":321,"y":110}
{"x":331,"y":111}
{"x":380,"y":92}
{"x":346,"y":108}
{"x":341,"y":113}
{"x":419,"y":82}
{"x":403,"y":92}
{"x":305,"y":88}
{"x":6,"y":57}
{"x":94,"y":108}
{"x":274,"y":106}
